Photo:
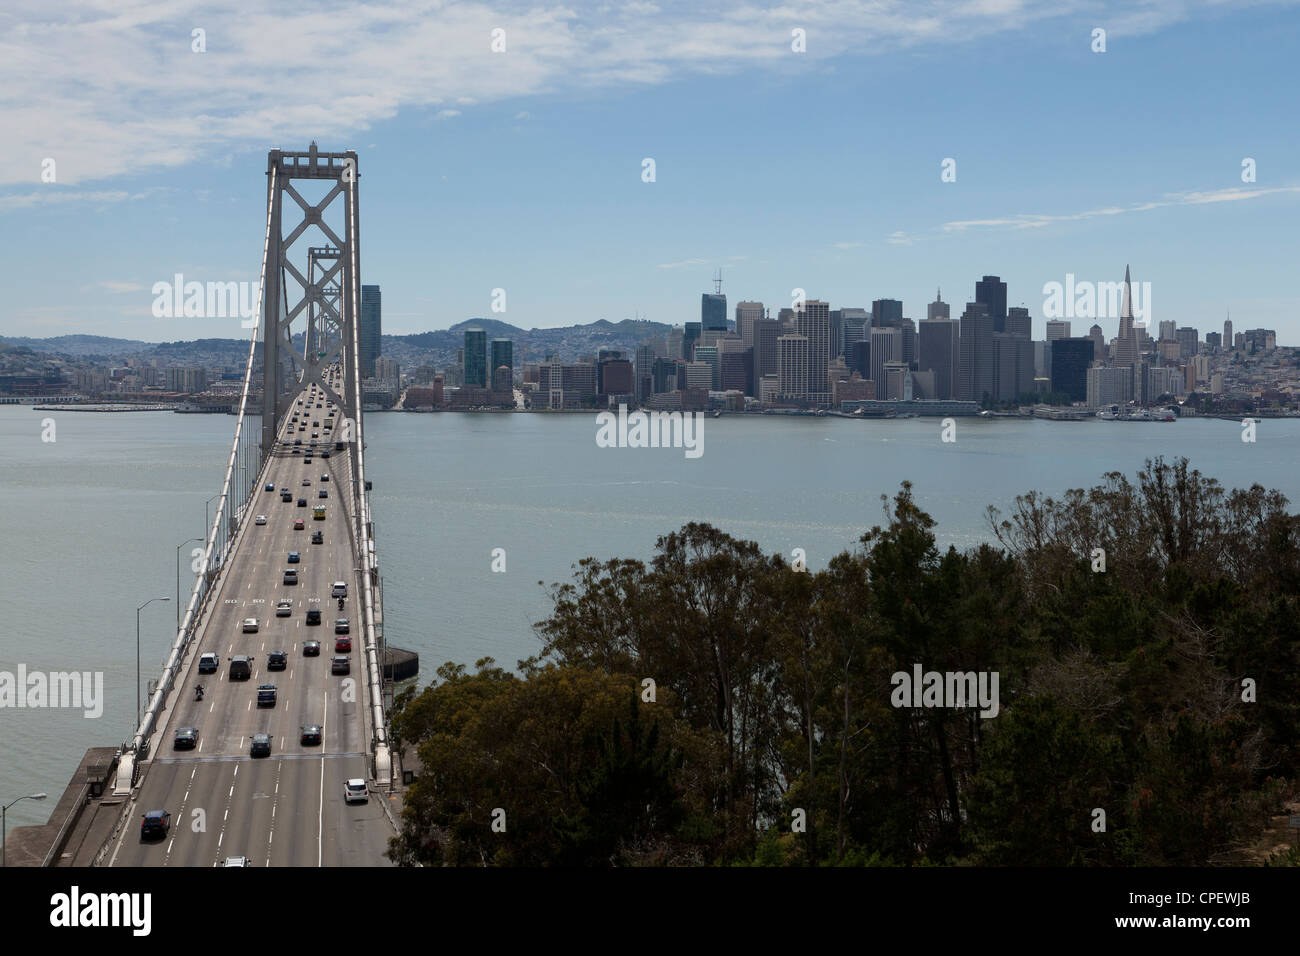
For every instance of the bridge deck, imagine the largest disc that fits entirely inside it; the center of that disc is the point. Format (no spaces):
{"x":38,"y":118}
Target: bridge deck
{"x":288,"y":808}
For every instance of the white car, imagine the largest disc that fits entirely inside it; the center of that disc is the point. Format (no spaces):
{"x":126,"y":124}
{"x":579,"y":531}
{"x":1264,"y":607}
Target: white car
{"x":250,"y":625}
{"x":354,"y":791}
{"x":284,"y":609}
{"x":340,"y":589}
{"x":260,"y":519}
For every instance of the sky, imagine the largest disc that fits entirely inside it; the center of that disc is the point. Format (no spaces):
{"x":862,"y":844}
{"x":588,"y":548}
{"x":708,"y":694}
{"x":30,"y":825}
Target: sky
{"x":819,"y":169}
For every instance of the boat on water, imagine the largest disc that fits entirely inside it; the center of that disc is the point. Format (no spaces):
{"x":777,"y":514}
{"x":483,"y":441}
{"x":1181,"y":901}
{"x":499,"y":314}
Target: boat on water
{"x":1122,"y":413}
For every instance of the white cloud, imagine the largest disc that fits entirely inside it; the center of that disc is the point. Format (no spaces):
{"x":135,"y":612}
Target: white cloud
{"x":109,"y":88}
{"x":1201,"y":198}
{"x":113,"y":286}
{"x":447,"y":114}
{"x":684,"y":262}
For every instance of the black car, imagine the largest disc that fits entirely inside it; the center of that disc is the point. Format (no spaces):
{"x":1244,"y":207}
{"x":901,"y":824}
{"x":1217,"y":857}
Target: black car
{"x":290,"y":576}
{"x":286,"y":496}
{"x":302,"y":502}
{"x":277,"y":661}
{"x":261,"y":746}
{"x":187,"y":738}
{"x":311,"y":734}
{"x":270,"y":486}
{"x":326,"y":454}
{"x":265,"y":695}
{"x":341,"y":626}
{"x":341,"y":664}
{"x":322,"y":493}
{"x":313,"y":617}
{"x":311,"y":649}
{"x":317,"y":537}
{"x":307,"y":460}
{"x":155,"y":824}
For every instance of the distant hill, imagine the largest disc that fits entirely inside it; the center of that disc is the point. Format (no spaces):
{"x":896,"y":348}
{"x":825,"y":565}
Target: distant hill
{"x":437,"y":348}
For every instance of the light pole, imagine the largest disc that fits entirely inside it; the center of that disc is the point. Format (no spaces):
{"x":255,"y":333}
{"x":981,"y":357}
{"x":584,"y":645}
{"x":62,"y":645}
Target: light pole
{"x":137,"y":653}
{"x":178,"y":579}
{"x":4,"y":825}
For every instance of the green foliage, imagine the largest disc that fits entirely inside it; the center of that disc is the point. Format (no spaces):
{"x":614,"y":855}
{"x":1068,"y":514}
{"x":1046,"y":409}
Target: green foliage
{"x":1120,"y":689}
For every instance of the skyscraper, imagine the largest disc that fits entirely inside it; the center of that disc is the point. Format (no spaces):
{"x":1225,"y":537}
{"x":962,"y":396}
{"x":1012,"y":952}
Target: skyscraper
{"x":766,"y":356}
{"x":1057,"y":329}
{"x":1019,"y":323}
{"x":747,"y":313}
{"x":1189,"y":341}
{"x":886,"y":347}
{"x":975,"y":371}
{"x":853,"y":328}
{"x":940,"y":346}
{"x":1126,"y":343}
{"x":886,"y":313}
{"x":813,"y":322}
{"x":792,"y":367}
{"x":1227,"y":333}
{"x":369,"y":332}
{"x":476,"y":357}
{"x":692,"y":336}
{"x":1098,"y":343}
{"x":503,"y":353}
{"x":938,"y":309}
{"x":713,"y":307}
{"x":991,"y":292}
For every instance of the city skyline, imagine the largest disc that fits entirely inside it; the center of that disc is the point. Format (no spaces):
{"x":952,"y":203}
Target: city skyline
{"x":543,"y":173}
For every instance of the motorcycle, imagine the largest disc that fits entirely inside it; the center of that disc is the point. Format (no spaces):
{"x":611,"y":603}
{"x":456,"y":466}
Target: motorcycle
{"x":340,"y":604}
{"x":198,"y":692}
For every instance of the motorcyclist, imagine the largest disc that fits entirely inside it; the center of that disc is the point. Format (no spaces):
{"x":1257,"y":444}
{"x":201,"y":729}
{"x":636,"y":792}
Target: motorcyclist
{"x":340,"y":604}
{"x":198,"y":692}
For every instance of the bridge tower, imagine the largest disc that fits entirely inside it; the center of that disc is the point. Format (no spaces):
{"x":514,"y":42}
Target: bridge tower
{"x":328,"y":296}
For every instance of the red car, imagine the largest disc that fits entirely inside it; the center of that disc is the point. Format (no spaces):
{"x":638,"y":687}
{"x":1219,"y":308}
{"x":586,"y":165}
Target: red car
{"x":298,"y":525}
{"x":343,"y":643}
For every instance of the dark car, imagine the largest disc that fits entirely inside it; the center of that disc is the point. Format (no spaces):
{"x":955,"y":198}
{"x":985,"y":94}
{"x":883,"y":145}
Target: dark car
{"x":297,"y":441}
{"x":311,"y":734}
{"x":341,"y":665}
{"x":317,"y":537}
{"x":307,"y":460}
{"x":261,"y":746}
{"x":265,"y":695}
{"x":270,"y":486}
{"x":155,"y":824}
{"x":326,"y":454}
{"x":295,"y":557}
{"x":187,"y":738}
{"x":302,"y":502}
{"x":208,"y":663}
{"x":313,"y":617}
{"x":322,"y":493}
{"x":286,"y":496}
{"x":311,"y":649}
{"x":324,"y":478}
{"x":341,"y":626}
{"x":290,"y":576}
{"x":241,"y":667}
{"x":277,"y":661}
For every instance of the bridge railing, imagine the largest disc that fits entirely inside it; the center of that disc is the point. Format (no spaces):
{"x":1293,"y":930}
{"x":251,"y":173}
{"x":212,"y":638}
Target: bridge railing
{"x":364,"y":538}
{"x":231,"y":508}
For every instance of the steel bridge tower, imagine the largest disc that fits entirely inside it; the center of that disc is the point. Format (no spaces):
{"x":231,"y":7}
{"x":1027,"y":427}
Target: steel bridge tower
{"x":329,"y":292}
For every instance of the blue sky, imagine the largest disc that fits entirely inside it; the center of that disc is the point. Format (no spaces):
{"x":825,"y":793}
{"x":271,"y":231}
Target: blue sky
{"x":522,"y":170}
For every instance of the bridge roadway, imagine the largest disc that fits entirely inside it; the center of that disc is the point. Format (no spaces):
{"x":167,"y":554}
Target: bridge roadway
{"x":286,"y":809}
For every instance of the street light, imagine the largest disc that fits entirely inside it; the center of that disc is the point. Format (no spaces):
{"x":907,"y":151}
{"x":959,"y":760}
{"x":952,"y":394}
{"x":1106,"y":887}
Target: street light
{"x":178,"y":578}
{"x":137,"y":653}
{"x":4,"y":825}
